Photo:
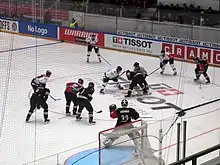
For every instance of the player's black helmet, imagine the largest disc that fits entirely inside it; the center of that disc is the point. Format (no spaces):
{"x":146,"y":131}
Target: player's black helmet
{"x":162,"y":51}
{"x":81,"y":81}
{"x":91,"y":85}
{"x":112,"y":107}
{"x":124,"y":103}
{"x":119,"y":69}
{"x":48,"y":73}
{"x":136,"y":64}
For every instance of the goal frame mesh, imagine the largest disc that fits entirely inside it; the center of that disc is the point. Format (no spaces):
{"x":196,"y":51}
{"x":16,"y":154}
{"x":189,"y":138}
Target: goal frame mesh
{"x":144,"y":142}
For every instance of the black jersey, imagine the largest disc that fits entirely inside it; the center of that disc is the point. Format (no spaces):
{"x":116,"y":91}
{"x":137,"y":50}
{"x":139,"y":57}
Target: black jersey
{"x":87,"y":93}
{"x":41,"y":91}
{"x":125,"y":115}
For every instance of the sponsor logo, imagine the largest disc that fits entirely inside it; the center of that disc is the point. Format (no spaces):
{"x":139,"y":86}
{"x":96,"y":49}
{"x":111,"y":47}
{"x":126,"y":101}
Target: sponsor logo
{"x":81,"y":40}
{"x":132,"y":42}
{"x":35,"y":29}
{"x":14,"y":26}
{"x":4,"y":24}
{"x":78,"y":33}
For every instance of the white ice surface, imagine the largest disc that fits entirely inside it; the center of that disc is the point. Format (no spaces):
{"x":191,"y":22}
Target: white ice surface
{"x":21,"y":142}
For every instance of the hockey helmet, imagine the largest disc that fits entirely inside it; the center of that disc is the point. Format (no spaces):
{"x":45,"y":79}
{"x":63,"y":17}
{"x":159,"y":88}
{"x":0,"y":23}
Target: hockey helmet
{"x":112,"y":107}
{"x":162,"y":51}
{"x":48,"y":73}
{"x":124,"y":103}
{"x":136,"y":64}
{"x":119,"y":69}
{"x":91,"y":85}
{"x":80,"y":81}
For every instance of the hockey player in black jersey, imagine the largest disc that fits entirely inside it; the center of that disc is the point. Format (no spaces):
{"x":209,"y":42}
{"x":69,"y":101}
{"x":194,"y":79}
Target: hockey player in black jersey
{"x":201,"y":68}
{"x":136,"y":79}
{"x":84,"y":99}
{"x":124,"y":117}
{"x":139,"y":69}
{"x":38,"y":98}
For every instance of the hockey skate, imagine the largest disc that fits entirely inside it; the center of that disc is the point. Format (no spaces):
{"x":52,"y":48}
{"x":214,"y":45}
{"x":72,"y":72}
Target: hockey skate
{"x":91,"y":122}
{"x":87,"y":60}
{"x":161,"y":72}
{"x":196,"y":79}
{"x":78,"y":118}
{"x":146,"y":92}
{"x":175,"y":73}
{"x":102,"y":91}
{"x":208,"y":81}
{"x":46,"y":121}
{"x":68,"y":114}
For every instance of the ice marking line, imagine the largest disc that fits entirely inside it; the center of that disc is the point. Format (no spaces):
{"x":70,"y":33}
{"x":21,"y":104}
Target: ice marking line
{"x":29,"y":47}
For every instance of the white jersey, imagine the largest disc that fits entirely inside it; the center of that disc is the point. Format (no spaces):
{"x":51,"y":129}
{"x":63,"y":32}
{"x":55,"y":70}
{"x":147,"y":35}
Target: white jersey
{"x":42,"y":79}
{"x":111,"y":74}
{"x":165,"y":57}
{"x":92,"y":41}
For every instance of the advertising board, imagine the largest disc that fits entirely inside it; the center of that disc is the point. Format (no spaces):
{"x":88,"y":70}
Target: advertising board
{"x":184,"y":49}
{"x":132,"y":44}
{"x":9,"y":25}
{"x":79,"y":36}
{"x":43,"y":30}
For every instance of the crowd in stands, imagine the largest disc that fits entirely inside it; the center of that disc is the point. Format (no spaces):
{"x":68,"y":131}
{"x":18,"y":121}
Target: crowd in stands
{"x":182,"y":14}
{"x":187,"y":14}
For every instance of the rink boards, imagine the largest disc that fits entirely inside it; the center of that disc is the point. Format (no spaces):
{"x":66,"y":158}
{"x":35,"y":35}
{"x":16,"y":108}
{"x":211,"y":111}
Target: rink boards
{"x":140,"y":43}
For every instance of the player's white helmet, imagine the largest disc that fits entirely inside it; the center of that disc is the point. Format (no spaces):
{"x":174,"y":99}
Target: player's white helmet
{"x":124,"y":103}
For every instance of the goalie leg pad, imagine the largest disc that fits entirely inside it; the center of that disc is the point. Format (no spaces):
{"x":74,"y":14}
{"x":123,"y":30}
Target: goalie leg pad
{"x":108,"y":142}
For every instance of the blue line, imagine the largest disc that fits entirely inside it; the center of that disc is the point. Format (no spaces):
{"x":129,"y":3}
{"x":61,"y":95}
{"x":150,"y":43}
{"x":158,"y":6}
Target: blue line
{"x":28,"y":47}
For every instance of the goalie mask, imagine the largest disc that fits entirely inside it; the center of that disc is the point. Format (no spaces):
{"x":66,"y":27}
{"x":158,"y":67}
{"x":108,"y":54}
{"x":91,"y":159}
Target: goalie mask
{"x":124,"y":103}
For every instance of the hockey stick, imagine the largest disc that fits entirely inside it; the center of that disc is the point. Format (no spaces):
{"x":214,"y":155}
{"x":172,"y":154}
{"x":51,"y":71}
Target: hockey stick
{"x":55,"y":99}
{"x":153,"y":72}
{"x":105,"y":60}
{"x":98,"y":111}
{"x":146,"y":117}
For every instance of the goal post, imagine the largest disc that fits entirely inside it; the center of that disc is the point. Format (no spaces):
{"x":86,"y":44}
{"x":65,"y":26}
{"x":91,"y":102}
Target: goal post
{"x":127,"y":144}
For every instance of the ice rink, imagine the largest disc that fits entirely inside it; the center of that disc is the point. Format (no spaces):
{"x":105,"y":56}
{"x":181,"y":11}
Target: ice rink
{"x":22,"y":58}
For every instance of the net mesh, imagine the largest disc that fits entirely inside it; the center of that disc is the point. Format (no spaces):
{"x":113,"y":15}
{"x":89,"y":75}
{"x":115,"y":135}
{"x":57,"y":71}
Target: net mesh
{"x":127,"y":144}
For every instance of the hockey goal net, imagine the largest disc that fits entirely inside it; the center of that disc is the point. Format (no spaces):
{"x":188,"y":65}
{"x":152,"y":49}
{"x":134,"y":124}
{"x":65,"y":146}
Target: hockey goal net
{"x":127,"y":145}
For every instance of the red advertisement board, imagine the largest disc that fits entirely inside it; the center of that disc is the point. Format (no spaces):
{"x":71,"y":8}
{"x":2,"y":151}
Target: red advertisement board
{"x":79,"y":36}
{"x":188,"y":52}
{"x":216,"y":57}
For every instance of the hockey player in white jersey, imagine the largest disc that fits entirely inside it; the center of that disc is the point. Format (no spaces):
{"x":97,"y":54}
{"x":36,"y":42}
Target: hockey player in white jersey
{"x":92,"y":44}
{"x":40,"y":81}
{"x":111,"y":74}
{"x":164,"y":59}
